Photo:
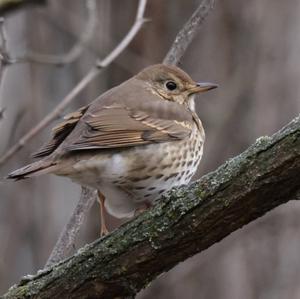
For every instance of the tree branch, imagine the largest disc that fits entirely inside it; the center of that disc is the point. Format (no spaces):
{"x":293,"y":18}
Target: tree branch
{"x":186,"y":221}
{"x":69,"y":233}
{"x":187,"y":34}
{"x":7,"y":6}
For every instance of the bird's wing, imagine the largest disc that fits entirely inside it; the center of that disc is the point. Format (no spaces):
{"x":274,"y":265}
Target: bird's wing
{"x":118,"y":119}
{"x":60,"y":132}
{"x":118,"y":126}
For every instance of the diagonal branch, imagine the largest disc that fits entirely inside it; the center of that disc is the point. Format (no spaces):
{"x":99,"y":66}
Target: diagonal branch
{"x":187,"y":34}
{"x":187,"y":221}
{"x":68,"y":235}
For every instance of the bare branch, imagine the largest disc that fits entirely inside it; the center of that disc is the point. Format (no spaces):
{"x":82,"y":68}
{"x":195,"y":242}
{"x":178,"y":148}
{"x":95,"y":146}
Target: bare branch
{"x":188,"y":32}
{"x":76,"y":50}
{"x":67,"y":237}
{"x":94,"y":72}
{"x":12,"y":5}
{"x":188,"y":220}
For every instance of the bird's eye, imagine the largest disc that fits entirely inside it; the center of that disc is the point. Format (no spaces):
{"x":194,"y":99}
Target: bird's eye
{"x":171,"y":85}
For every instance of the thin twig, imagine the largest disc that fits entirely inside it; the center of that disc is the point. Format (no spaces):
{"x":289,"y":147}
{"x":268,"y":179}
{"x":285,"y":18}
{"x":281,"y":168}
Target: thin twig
{"x":71,"y":230}
{"x":93,"y":72}
{"x":186,"y":35}
{"x":67,"y":237}
{"x":75,"y":52}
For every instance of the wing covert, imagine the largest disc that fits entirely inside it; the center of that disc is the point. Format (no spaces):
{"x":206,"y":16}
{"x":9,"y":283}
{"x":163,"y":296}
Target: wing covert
{"x":119,"y":126}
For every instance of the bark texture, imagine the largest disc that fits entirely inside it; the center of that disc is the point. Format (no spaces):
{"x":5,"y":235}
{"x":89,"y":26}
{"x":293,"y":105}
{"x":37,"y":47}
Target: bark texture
{"x":187,"y":221}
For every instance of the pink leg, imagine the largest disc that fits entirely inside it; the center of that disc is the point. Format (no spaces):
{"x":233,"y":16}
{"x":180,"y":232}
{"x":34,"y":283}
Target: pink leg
{"x":104,"y":231}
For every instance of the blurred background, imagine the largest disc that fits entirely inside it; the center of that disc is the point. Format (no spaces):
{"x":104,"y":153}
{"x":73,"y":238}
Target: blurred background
{"x":251,"y":50}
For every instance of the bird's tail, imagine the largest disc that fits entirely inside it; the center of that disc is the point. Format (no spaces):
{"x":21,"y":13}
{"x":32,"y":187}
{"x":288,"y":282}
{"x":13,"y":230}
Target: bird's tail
{"x":31,"y":170}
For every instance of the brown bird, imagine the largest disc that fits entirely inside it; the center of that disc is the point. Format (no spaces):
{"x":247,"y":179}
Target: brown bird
{"x":133,"y":143}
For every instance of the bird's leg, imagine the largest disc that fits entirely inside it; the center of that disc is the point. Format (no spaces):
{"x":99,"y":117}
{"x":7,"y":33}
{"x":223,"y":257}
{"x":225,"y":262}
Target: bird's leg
{"x":104,"y":231}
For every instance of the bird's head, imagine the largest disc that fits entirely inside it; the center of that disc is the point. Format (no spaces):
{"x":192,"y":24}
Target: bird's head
{"x":173,"y":84}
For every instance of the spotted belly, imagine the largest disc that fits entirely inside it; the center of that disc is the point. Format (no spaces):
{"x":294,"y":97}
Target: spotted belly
{"x":155,"y":169}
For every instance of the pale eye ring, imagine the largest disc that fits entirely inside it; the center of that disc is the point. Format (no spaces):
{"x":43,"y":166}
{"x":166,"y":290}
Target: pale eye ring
{"x":171,"y":85}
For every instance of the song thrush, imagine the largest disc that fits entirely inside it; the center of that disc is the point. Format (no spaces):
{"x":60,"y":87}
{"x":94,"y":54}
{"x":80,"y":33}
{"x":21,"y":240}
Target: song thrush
{"x":133,"y":143}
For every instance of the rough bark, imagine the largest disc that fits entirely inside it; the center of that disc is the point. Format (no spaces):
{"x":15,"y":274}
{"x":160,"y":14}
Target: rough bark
{"x":186,"y":221}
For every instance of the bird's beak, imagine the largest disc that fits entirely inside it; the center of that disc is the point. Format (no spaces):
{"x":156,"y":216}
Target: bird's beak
{"x":203,"y":86}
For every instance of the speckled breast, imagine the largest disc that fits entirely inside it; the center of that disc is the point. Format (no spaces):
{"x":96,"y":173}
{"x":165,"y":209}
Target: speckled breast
{"x":156,"y":168}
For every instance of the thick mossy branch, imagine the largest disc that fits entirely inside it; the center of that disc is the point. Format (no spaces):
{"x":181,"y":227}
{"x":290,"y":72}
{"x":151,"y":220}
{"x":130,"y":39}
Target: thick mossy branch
{"x":188,"y":220}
